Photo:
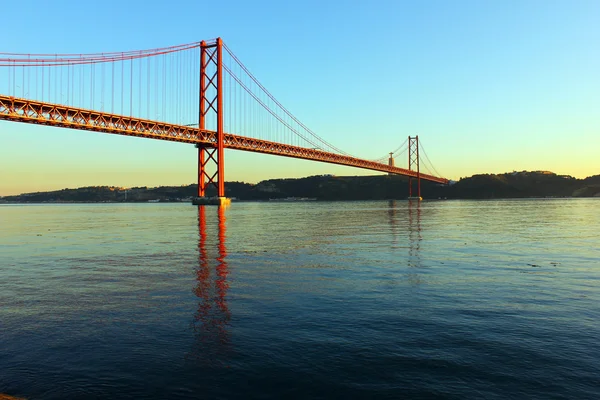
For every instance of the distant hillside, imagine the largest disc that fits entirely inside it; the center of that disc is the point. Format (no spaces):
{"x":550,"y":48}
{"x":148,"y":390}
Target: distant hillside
{"x":520,"y":184}
{"x":327,"y":187}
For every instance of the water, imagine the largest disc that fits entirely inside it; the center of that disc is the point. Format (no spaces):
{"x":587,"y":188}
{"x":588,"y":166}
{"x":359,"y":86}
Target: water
{"x":448,"y":299}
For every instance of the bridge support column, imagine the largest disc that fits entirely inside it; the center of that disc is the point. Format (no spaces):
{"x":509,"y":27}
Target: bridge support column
{"x":413,"y":161}
{"x":211,"y":101}
{"x":201,"y":172}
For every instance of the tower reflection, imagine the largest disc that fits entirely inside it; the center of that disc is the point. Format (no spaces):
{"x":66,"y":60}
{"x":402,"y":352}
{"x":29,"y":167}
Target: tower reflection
{"x":222,"y":271}
{"x":414,"y":233}
{"x":212,"y":316}
{"x":392,"y":221}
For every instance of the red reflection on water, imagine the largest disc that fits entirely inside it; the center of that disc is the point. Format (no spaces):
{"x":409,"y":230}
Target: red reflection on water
{"x":203,"y":271}
{"x":213,"y":315}
{"x":222,"y":271}
{"x":414,"y":233}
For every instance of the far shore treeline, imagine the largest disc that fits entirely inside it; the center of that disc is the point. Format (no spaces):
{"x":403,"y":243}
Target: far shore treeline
{"x":327,"y":187}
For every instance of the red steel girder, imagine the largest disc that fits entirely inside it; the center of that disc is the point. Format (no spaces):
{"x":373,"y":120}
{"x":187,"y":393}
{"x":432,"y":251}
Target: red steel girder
{"x":35,"y":112}
{"x":40,"y":113}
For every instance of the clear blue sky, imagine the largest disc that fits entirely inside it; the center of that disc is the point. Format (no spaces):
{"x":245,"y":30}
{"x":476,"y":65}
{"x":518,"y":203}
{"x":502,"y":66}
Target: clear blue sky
{"x":489,"y":86}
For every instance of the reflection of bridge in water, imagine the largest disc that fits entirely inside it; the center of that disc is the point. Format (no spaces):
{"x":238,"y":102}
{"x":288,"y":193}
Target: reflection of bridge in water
{"x":212,"y":317}
{"x":412,"y":229}
{"x":414,"y":234}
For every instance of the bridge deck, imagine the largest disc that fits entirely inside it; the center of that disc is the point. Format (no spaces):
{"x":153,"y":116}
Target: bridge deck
{"x":35,"y":112}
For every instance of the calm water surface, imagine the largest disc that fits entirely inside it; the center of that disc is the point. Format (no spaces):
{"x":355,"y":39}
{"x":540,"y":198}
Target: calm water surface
{"x":448,"y":299}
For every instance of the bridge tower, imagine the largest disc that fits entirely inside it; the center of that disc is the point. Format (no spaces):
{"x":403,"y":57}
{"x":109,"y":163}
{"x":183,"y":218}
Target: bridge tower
{"x":211,"y":108}
{"x":391,"y":162}
{"x":413,"y":162}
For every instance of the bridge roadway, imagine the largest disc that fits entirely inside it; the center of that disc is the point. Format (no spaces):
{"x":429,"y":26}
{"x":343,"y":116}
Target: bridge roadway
{"x":34,"y":112}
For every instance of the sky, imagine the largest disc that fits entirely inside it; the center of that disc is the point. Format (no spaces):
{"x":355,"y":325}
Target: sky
{"x":489,"y":86}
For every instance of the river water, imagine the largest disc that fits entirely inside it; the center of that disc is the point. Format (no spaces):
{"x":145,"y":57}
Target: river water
{"x":440,"y":299}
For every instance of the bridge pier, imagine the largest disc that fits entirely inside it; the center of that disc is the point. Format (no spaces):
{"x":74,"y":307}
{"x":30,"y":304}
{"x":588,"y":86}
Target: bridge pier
{"x":413,"y":159}
{"x":211,"y":100}
{"x":206,"y":155}
{"x":211,"y":201}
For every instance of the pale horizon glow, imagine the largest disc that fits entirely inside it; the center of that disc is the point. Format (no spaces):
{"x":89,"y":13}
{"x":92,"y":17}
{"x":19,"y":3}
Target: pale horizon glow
{"x":489,"y":87}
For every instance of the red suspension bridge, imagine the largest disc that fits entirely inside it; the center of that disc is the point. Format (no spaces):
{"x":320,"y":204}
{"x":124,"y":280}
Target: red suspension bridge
{"x":198,"y":93}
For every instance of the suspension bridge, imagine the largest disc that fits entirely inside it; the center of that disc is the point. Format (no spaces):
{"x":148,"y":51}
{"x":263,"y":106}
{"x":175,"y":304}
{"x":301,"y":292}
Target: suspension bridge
{"x":198,"y":93}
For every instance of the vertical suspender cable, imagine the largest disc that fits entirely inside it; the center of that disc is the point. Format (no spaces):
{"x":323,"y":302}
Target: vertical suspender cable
{"x":139,"y":61}
{"x":112,"y":91}
{"x":49,"y":86}
{"x":131,"y":87}
{"x":102,"y":86}
{"x":148,"y":89}
{"x":69,"y":84}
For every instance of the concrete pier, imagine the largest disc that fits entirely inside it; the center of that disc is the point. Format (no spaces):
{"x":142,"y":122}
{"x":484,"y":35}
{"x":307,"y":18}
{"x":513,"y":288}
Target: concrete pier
{"x":211,"y":201}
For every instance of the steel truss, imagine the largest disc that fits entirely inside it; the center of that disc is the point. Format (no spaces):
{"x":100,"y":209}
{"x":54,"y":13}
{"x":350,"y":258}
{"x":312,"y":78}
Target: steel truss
{"x":211,"y":101}
{"x":413,"y":161}
{"x":35,"y":112}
